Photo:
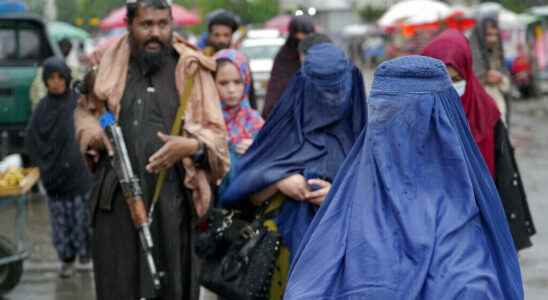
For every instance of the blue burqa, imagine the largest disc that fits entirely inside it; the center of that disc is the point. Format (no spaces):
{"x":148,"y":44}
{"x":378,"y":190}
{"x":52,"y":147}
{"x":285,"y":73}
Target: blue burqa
{"x":310,"y":131}
{"x":413,"y":212}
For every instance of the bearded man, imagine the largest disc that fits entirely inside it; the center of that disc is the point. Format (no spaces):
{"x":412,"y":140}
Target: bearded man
{"x":141,"y":79}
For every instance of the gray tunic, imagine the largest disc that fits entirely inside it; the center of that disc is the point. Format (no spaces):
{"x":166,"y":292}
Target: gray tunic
{"x":120,"y":270}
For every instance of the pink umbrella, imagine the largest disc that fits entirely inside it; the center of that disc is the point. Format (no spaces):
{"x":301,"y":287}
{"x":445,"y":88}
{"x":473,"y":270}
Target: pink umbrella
{"x":281,"y":23}
{"x":181,"y":16}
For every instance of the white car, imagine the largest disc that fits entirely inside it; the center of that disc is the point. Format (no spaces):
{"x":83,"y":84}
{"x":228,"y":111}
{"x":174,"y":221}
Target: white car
{"x":261,"y":50}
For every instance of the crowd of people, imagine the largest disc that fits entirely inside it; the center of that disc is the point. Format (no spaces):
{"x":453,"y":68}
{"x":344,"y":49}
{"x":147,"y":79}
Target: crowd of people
{"x":411,"y":193}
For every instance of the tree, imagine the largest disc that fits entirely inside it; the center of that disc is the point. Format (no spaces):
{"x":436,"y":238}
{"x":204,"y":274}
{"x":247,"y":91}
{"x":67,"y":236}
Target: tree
{"x":67,"y":10}
{"x":518,"y":6}
{"x":370,"y":14}
{"x":36,"y":6}
{"x":251,"y":11}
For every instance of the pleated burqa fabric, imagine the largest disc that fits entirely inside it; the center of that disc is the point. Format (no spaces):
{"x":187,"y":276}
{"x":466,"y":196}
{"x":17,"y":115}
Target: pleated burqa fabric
{"x":413,"y":212}
{"x":310,"y":131}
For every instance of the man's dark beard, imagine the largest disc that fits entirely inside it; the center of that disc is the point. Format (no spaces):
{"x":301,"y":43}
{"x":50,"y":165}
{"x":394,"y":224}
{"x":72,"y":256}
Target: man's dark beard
{"x":219,"y":46}
{"x":150,"y":62}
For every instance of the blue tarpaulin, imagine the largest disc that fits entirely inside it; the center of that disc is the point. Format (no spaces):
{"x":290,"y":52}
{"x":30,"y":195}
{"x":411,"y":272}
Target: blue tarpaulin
{"x":9,"y":6}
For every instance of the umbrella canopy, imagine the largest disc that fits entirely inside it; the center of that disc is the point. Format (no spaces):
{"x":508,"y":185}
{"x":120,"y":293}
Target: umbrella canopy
{"x":281,"y":23}
{"x":12,"y":6}
{"x":181,"y":16}
{"x":415,"y":12}
{"x":455,"y":20}
{"x":60,"y":30}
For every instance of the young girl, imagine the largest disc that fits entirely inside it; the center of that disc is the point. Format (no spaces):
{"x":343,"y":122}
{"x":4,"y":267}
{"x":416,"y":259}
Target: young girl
{"x":233,"y":81}
{"x":52,"y":147}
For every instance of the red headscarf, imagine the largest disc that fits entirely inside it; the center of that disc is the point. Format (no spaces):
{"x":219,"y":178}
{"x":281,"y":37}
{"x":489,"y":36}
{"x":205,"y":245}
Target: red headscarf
{"x":453,"y":49}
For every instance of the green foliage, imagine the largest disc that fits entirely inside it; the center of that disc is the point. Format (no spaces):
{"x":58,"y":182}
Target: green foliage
{"x":66,"y":10}
{"x":517,"y":6}
{"x":370,"y":13}
{"x":97,"y":8}
{"x":36,"y":6}
{"x":251,"y":11}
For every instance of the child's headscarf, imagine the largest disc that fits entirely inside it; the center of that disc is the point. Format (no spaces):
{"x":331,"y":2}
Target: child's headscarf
{"x":50,"y":133}
{"x":56,"y":64}
{"x":242,"y":121}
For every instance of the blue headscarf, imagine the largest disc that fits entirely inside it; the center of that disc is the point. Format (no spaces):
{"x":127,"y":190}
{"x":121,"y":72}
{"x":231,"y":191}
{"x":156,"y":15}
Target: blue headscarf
{"x":413,"y":213}
{"x":309,"y":132}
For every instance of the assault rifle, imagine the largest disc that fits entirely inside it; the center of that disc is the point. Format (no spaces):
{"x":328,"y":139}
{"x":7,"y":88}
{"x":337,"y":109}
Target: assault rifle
{"x":132,"y":192}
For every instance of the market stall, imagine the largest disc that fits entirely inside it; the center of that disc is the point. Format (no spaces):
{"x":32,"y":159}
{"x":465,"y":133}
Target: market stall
{"x":412,"y":24}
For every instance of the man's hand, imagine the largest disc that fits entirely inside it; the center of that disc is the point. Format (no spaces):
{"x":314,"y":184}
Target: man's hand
{"x":175,"y":149}
{"x":99,"y":141}
{"x":318,"y":196}
{"x":93,"y":155}
{"x":294,"y":186}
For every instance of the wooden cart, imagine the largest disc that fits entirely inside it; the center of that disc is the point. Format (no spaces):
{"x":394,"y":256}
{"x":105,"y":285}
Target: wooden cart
{"x":13,"y":254}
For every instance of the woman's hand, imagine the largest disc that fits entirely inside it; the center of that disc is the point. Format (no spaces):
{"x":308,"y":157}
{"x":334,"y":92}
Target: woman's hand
{"x":294,"y":186}
{"x":318,"y":196}
{"x":243,"y":145}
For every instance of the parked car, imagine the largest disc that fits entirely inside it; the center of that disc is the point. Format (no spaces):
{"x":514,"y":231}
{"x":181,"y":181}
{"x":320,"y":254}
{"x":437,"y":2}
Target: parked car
{"x":261,"y":46}
{"x":24,"y":45}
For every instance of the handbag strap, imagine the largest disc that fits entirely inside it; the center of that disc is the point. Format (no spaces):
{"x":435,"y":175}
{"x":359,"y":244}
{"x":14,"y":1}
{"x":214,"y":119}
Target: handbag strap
{"x":175,"y":130}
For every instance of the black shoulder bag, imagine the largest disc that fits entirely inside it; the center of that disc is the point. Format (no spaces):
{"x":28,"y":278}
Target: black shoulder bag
{"x":238,"y":257}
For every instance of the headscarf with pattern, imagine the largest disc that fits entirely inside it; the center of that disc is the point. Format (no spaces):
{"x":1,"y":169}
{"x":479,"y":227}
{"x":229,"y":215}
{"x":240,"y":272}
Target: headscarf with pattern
{"x":242,"y":122}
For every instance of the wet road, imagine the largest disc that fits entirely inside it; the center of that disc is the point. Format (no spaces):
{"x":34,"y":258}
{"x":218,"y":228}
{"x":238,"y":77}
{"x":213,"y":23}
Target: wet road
{"x":40,"y":280}
{"x":529,"y":134}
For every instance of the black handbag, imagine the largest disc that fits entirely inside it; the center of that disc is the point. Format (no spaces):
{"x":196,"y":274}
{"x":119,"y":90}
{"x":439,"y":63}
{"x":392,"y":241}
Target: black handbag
{"x":238,"y":257}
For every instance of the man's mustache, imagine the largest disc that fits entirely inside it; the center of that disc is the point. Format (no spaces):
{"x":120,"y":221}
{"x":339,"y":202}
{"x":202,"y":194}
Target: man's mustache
{"x":155,"y":40}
